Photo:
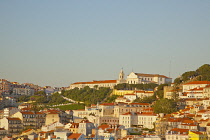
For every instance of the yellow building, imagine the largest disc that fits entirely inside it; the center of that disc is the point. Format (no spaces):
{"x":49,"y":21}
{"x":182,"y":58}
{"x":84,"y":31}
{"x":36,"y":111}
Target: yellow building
{"x":122,"y":92}
{"x":195,"y":135}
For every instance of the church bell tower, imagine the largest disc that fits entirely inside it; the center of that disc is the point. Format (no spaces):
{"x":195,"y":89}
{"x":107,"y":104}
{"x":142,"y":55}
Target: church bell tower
{"x":121,"y":77}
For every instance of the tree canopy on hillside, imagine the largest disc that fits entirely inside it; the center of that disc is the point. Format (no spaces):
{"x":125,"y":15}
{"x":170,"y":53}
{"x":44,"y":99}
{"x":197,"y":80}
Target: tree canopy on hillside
{"x":88,"y":95}
{"x":165,"y":105}
{"x":203,"y":72}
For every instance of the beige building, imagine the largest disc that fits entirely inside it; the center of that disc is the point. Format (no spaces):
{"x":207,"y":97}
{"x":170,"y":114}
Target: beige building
{"x":131,"y":107}
{"x":5,"y":86}
{"x":122,"y":99}
{"x":52,"y":126}
{"x":31,"y":119}
{"x":206,"y":91}
{"x":13,"y":125}
{"x":143,"y":93}
{"x":3,"y":133}
{"x":56,"y":116}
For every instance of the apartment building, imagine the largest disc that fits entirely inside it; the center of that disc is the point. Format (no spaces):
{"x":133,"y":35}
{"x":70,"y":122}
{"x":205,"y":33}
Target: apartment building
{"x":138,"y":119}
{"x":131,"y":107}
{"x":56,"y":116}
{"x":3,"y":133}
{"x":5,"y":86}
{"x":32,"y":120}
{"x":13,"y":125}
{"x":85,"y":127}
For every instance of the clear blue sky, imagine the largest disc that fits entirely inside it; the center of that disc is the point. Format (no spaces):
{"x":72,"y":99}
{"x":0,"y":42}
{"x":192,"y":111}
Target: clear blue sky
{"x":57,"y":43}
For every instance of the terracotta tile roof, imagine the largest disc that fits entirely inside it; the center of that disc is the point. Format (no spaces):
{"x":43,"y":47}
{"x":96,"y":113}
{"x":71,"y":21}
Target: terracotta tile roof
{"x":27,"y":131}
{"x":147,"y":114}
{"x":74,"y":136}
{"x":103,"y":126}
{"x":142,"y":91}
{"x":151,"y":75}
{"x":27,"y":113}
{"x":97,"y":82}
{"x":74,"y":125}
{"x":14,"y":119}
{"x":197,"y":82}
{"x":207,"y":86}
{"x":190,"y":115}
{"x":85,"y":121}
{"x":202,"y":120}
{"x":110,"y":130}
{"x":203,"y":111}
{"x":188,"y":121}
{"x":128,"y":113}
{"x":181,"y":131}
{"x":139,"y":104}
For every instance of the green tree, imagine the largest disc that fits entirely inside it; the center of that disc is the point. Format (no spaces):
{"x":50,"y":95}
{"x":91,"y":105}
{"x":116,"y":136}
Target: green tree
{"x":159,"y":94}
{"x":56,"y":98}
{"x":23,"y":98}
{"x":204,"y":71}
{"x":112,"y":98}
{"x":165,"y":106}
{"x":177,"y":81}
{"x":40,"y":93}
{"x":88,"y":95}
{"x":188,"y":75}
{"x":149,"y":100}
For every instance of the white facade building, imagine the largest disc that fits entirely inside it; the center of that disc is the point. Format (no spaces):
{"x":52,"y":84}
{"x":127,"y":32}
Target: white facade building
{"x":132,"y":78}
{"x":140,"y":78}
{"x":194,"y":85}
{"x":144,"y":119}
{"x":93,"y":84}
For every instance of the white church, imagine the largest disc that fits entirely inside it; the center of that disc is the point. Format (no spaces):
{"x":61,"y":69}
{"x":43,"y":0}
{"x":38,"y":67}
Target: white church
{"x":132,"y":78}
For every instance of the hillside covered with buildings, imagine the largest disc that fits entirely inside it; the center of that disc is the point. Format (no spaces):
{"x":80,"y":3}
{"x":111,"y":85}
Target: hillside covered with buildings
{"x":139,"y":106}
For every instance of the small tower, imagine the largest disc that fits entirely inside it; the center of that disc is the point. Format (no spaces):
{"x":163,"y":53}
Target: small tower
{"x":121,"y":75}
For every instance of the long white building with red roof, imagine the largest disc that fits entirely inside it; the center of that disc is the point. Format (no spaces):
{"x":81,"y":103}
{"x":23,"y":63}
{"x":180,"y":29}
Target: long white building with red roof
{"x":92,"y":84}
{"x":132,"y":78}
